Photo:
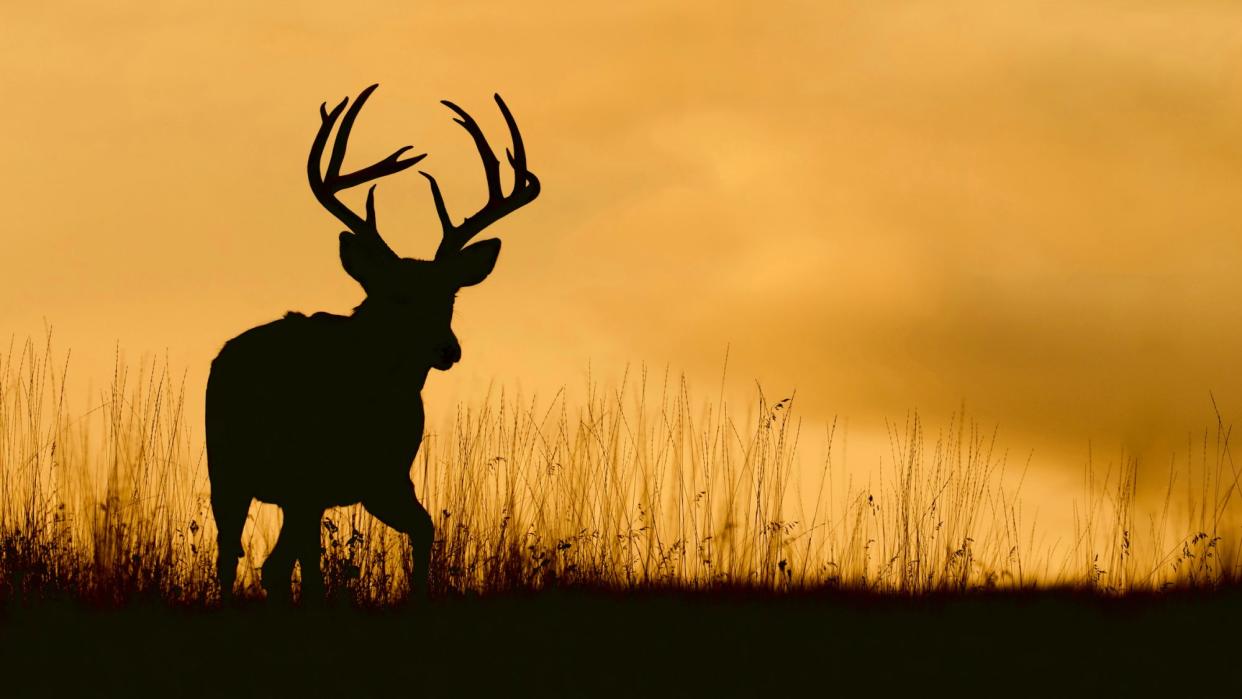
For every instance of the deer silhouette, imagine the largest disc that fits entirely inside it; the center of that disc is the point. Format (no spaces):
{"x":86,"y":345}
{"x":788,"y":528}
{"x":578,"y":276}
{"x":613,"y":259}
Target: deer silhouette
{"x":312,"y":412}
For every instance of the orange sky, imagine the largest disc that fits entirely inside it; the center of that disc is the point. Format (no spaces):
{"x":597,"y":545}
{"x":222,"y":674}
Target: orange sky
{"x":1028,"y":207}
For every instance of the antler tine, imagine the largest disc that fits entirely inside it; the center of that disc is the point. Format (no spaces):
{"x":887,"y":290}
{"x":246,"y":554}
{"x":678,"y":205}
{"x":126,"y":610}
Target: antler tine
{"x":491,"y":166}
{"x":342,"y":133}
{"x":327,"y":121}
{"x":517,"y":158}
{"x":522,"y":178}
{"x":327,"y":184}
{"x":525,"y":184}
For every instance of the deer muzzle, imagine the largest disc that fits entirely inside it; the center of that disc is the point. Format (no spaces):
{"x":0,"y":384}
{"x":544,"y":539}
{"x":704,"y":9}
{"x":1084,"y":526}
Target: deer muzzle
{"x":447,"y":356}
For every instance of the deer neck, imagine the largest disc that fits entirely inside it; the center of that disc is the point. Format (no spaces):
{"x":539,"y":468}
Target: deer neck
{"x":390,"y":348}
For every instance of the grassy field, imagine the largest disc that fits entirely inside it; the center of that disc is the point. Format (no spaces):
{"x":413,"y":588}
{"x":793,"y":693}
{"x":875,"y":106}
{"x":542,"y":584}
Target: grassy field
{"x":638,"y":539}
{"x":581,"y":643}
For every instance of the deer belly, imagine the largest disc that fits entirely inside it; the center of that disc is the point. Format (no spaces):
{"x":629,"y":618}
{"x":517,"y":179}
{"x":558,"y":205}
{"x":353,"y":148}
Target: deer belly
{"x":339,"y":462}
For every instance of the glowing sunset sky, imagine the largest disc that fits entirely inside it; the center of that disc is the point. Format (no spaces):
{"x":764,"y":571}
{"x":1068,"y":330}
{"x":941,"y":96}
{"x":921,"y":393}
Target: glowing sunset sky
{"x":1030,"y":207}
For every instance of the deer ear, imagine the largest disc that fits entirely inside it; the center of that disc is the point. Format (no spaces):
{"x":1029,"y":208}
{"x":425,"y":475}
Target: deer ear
{"x":360,"y":261}
{"x":475,"y":262}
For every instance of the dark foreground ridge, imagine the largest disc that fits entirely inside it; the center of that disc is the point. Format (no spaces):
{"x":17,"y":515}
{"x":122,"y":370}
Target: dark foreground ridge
{"x":593,"y":644}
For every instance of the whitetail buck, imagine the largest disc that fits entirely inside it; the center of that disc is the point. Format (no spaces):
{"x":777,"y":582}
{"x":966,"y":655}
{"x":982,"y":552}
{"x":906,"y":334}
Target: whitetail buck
{"x":314,"y":412}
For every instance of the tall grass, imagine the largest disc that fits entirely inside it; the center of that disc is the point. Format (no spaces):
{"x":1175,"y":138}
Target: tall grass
{"x":634,"y":486}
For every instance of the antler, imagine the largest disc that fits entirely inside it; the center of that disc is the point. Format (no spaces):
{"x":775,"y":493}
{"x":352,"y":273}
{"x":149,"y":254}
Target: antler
{"x":329,"y":183}
{"x":525,"y":184}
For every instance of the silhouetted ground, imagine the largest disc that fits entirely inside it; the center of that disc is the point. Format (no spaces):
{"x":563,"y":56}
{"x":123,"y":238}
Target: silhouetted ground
{"x":592,"y":644}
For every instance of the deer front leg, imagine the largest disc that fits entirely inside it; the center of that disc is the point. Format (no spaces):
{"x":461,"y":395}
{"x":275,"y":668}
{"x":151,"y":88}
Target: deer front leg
{"x":278,"y":566}
{"x":298,"y":541}
{"x":308,"y":553}
{"x":399,"y":508}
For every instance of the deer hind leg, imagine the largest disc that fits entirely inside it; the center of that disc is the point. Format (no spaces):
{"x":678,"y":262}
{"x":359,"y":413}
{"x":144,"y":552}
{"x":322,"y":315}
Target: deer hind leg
{"x":399,"y":508}
{"x":229,"y":508}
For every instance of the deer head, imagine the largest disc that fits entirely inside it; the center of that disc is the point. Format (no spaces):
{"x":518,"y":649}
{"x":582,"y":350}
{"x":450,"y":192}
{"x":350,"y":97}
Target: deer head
{"x":414,"y":298}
